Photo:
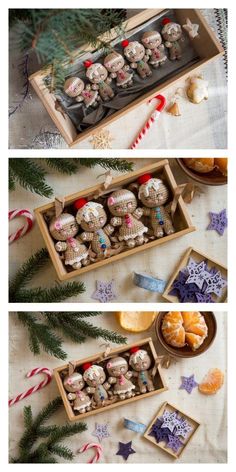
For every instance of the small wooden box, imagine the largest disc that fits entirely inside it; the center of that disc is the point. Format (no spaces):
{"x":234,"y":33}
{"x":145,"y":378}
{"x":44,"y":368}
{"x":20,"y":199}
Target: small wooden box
{"x":206,"y":46}
{"x":171,"y":408}
{"x":159,"y":383}
{"x":198,"y":257}
{"x":182,"y":221}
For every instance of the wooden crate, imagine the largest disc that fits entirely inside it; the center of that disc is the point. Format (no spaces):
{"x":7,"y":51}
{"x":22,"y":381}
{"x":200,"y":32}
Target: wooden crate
{"x":182,"y":221}
{"x":206,"y":46}
{"x":193,"y":422}
{"x":159,"y":381}
{"x":198,"y":257}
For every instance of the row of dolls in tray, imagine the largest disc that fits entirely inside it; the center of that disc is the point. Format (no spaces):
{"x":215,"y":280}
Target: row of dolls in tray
{"x":140,"y":55}
{"x":98,"y":385}
{"x":125,"y":217}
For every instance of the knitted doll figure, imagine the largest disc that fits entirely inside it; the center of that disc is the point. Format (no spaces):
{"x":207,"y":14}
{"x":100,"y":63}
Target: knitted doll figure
{"x":117,"y":368}
{"x":155,"y":50}
{"x":140,"y":361}
{"x":173,"y":36}
{"x":74,"y":87}
{"x":74,"y":384}
{"x":95,"y":377}
{"x":92,"y":218}
{"x":98,"y":75}
{"x":153,"y":193}
{"x":63,"y":228}
{"x":135,"y":53}
{"x":123,"y":205}
{"x":115,"y":64}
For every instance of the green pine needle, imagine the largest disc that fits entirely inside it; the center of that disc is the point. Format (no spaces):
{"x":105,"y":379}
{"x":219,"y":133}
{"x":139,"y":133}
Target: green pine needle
{"x":107,"y":163}
{"x":29,"y":175}
{"x":65,"y":166}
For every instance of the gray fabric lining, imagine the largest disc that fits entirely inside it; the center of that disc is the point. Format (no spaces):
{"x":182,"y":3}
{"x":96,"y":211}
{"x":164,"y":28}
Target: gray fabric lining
{"x":83,"y":117}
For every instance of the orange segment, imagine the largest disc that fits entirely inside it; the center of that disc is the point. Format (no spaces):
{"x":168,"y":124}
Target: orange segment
{"x":194,"y":340}
{"x":172,"y":329}
{"x":212,"y":382}
{"x":195,"y":323}
{"x":200,"y":164}
{"x":222,"y":164}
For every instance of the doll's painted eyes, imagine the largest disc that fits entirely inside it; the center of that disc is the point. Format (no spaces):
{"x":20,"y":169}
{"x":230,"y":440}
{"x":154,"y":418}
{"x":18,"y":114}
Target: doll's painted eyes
{"x":101,"y":220}
{"x":129,"y":205}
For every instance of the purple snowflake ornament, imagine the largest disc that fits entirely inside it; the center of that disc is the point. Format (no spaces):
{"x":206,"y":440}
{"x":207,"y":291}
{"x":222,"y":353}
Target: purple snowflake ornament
{"x":188,"y":383}
{"x":101,"y":431}
{"x":170,"y":420}
{"x":174,"y":443}
{"x":183,"y":429}
{"x":105,"y":291}
{"x":185,"y":292}
{"x":204,"y":298}
{"x":219,"y":221}
{"x":197,"y":275}
{"x":125,"y":449}
{"x":216,"y":284}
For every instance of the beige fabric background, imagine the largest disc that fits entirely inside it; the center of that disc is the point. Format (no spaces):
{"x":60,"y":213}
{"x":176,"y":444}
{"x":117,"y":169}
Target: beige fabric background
{"x":160,"y":261}
{"x":208,"y":445}
{"x":201,"y":126}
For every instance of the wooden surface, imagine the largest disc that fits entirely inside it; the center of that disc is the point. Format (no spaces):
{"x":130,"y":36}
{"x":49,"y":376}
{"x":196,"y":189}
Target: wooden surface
{"x":159,"y":261}
{"x":209,"y":445}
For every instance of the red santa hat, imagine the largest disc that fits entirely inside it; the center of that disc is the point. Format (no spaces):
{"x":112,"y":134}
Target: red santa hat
{"x":80,"y":203}
{"x":144,"y":178}
{"x":165,"y":21}
{"x":88,"y":63}
{"x":125,"y":43}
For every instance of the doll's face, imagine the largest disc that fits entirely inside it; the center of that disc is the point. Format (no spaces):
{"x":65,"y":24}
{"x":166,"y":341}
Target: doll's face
{"x":122,"y":202}
{"x":117,"y":367}
{"x":172,"y":32}
{"x":151,"y":39}
{"x":114,"y":62}
{"x":134,"y":51}
{"x":74,"y":382}
{"x":96,"y":221}
{"x":96,"y":73}
{"x":140,"y":361}
{"x":94,"y":376}
{"x":152,"y":197}
{"x":63,"y":227}
{"x":73,"y":86}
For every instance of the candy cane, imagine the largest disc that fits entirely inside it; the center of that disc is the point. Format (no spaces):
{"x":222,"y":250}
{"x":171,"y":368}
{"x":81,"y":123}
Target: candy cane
{"x":98,"y":453}
{"x":31,"y":373}
{"x":24,"y":229}
{"x":150,"y":121}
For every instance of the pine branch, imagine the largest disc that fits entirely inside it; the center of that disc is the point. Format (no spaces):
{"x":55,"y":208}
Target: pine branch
{"x":19,"y":293}
{"x":117,"y":164}
{"x":30,"y":452}
{"x":63,"y":165}
{"x":30,"y":176}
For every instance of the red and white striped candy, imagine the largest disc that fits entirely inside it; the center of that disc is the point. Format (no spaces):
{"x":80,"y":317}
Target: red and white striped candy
{"x":150,"y":121}
{"x":24,"y":229}
{"x":95,"y":446}
{"x":31,"y":373}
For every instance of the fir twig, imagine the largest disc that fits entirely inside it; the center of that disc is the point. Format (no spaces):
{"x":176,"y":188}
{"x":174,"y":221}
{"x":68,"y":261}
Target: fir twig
{"x":43,"y":329}
{"x":117,"y":164}
{"x":29,"y":175}
{"x":32,"y":452}
{"x":57,"y":293}
{"x":65,"y":166}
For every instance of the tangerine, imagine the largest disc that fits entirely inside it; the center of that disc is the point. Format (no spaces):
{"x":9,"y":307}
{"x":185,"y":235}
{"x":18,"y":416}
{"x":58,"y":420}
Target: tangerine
{"x":181,"y":328}
{"x":222,"y":164}
{"x":200,"y":164}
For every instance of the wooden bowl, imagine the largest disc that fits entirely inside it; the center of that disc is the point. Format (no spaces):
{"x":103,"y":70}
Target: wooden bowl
{"x":210,"y":178}
{"x":186,"y":351}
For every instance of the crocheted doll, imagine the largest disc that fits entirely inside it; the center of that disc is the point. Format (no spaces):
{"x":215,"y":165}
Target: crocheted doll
{"x":92,"y":218}
{"x":155,"y":50}
{"x":135,"y":53}
{"x":114,"y":63}
{"x":173,"y":36}
{"x":74,"y":384}
{"x":74,"y":87}
{"x":63,"y":228}
{"x":95,"y":377}
{"x":153,"y":193}
{"x":140,"y":361}
{"x":117,"y":368}
{"x":98,"y":75}
{"x":123,"y":205}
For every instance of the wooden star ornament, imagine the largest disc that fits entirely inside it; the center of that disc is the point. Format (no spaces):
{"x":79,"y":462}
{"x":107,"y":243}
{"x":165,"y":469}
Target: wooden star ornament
{"x":191,"y":29}
{"x":102,"y":139}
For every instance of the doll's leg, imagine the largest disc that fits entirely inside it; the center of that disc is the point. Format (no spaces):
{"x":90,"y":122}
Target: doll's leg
{"x":129,"y":394}
{"x":130,"y":243}
{"x":88,"y":408}
{"x":139,"y":240}
{"x":85,"y":262}
{"x":168,"y":226}
{"x":150,"y":386}
{"x":77,"y":265}
{"x":158,"y":231}
{"x":122,"y":396}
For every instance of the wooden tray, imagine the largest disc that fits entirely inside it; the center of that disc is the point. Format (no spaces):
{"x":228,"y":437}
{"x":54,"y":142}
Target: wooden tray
{"x":206,"y":45}
{"x":146,"y":344}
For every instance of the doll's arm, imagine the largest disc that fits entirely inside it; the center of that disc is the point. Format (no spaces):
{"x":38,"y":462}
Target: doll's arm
{"x":86,"y":236}
{"x":71,"y":396}
{"x":133,"y":65}
{"x":80,"y":98}
{"x":148,"y":52}
{"x":113,"y":75}
{"x":126,"y":68}
{"x":167,"y":208}
{"x":108,"y":229}
{"x":61,"y":246}
{"x":168,"y":44}
{"x":134,"y":373}
{"x":161,"y":47}
{"x":128,"y":375}
{"x":88,"y":87}
{"x":146,"y":57}
{"x":112,"y":380}
{"x":95,"y":87}
{"x":116,"y":221}
{"x":108,"y":80}
{"x":90,"y":390}
{"x":146,"y":211}
{"x":138,"y":213}
{"x":107,"y":386}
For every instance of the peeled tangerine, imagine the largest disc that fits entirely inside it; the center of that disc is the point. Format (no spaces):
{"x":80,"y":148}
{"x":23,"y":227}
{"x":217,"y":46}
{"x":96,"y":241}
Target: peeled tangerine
{"x":212,"y":382}
{"x":184,"y":328}
{"x":200,"y":164}
{"x":136,"y":321}
{"x":222,"y":164}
